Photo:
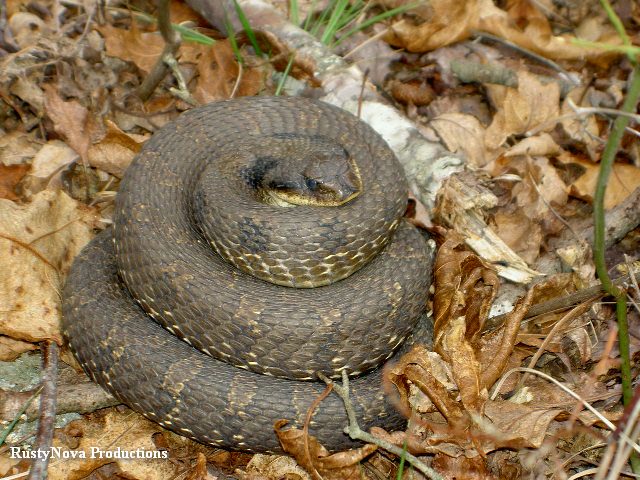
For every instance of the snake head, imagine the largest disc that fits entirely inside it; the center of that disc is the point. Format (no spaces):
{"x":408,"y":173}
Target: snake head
{"x":308,"y":171}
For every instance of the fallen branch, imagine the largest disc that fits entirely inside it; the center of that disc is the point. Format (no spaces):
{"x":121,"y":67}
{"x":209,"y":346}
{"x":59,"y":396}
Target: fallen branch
{"x":356,"y":433}
{"x":46,"y":423}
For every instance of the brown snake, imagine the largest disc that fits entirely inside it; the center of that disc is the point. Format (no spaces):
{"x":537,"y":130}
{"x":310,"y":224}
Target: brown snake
{"x":194,"y":195}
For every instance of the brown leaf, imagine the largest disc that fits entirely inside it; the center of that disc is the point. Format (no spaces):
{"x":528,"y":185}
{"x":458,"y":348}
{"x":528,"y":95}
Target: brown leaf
{"x":518,"y":110}
{"x":114,"y":152}
{"x":218,"y":73}
{"x":132,"y":45}
{"x":10,"y":176}
{"x":70,"y":119}
{"x":112,"y":431}
{"x":267,"y":467}
{"x":463,"y":133}
{"x":415,"y":93}
{"x":448,"y":22}
{"x":11,"y":349}
{"x":461,"y":467}
{"x":38,"y":242}
{"x":336,"y":466}
{"x":624,"y":179}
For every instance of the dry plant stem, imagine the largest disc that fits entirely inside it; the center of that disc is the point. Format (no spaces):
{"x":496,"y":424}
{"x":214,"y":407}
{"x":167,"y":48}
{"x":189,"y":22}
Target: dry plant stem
{"x":559,"y":303}
{"x":617,"y":451}
{"x":574,"y":313}
{"x":172,"y":43}
{"x":581,"y":112}
{"x":305,"y":429}
{"x":182,"y":92}
{"x":354,"y":431}
{"x":44,"y":436}
{"x":606,"y":166}
{"x":566,"y":76}
{"x":77,"y":398}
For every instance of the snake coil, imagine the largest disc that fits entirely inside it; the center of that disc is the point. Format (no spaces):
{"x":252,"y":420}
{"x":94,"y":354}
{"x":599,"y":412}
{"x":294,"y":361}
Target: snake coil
{"x":228,"y":352}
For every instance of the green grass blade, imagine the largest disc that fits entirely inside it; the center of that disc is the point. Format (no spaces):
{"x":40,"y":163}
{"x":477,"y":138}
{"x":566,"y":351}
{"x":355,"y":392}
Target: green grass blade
{"x":251,"y":35}
{"x":294,"y":13}
{"x":378,"y":18}
{"x":332,"y":24}
{"x":285,"y":75}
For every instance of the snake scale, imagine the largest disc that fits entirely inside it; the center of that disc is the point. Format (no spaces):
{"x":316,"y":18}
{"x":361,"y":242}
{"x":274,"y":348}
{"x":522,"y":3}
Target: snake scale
{"x":195,"y":247}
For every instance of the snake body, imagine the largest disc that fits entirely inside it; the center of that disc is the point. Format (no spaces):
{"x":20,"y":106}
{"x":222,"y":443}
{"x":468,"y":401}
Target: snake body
{"x":194,"y":246}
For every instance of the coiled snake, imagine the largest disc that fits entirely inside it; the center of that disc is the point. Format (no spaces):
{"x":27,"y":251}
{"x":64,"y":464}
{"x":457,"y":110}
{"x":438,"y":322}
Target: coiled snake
{"x":221,"y":181}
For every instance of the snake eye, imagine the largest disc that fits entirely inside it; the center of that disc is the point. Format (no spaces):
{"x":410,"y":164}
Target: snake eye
{"x":311,"y":184}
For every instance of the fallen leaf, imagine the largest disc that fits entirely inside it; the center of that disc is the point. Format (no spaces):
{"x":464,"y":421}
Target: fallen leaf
{"x":519,"y":110}
{"x":115,"y":151}
{"x":10,"y":176}
{"x":461,"y":205}
{"x":449,"y":22}
{"x":70,"y":119}
{"x":539,"y":146}
{"x":48,"y":165}
{"x":38,"y":242}
{"x":11,"y":349}
{"x":624,"y":179}
{"x":133,"y":45}
{"x":461,"y":467}
{"x":104,"y":436}
{"x":335,"y":466}
{"x":218,"y":73}
{"x":465,"y":134}
{"x":580,"y":128}
{"x":273,"y":466}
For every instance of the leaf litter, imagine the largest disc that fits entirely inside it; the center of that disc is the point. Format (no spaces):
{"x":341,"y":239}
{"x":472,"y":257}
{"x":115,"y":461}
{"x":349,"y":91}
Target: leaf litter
{"x":532,"y":159}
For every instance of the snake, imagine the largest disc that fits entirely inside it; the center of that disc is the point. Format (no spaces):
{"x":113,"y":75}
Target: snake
{"x":256,"y":242}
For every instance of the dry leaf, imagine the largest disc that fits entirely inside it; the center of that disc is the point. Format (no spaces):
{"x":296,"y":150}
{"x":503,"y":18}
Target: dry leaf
{"x":70,"y":119}
{"x":462,"y":201}
{"x":38,"y":242}
{"x":115,"y":151}
{"x":449,"y":22}
{"x":463,"y":133}
{"x":17,"y":147}
{"x":330,"y":466}
{"x":218,"y":73}
{"x":132,"y":45}
{"x":113,"y":432}
{"x":461,"y":467}
{"x":624,"y":179}
{"x":11,"y":349}
{"x":10,"y":176}
{"x":539,"y":146}
{"x":48,"y":165}
{"x":582,"y":129}
{"x":520,"y":110}
{"x":273,"y":466}
{"x":465,"y":290}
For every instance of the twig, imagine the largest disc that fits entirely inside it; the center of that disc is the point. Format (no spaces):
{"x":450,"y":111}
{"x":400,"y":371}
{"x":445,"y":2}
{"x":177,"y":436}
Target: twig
{"x":83,"y":397}
{"x":581,"y":112}
{"x":172,"y":43}
{"x":44,"y":436}
{"x":182,"y":92}
{"x":559,"y":303}
{"x":528,"y":53}
{"x":606,"y":166}
{"x":356,"y":433}
{"x":571,"y":315}
{"x":305,"y":429}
